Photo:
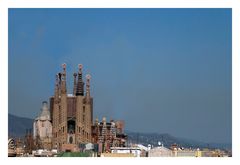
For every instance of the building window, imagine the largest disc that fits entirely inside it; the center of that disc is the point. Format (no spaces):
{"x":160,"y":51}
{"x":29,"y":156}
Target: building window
{"x":83,"y":118}
{"x":71,"y":140}
{"x":83,"y":109}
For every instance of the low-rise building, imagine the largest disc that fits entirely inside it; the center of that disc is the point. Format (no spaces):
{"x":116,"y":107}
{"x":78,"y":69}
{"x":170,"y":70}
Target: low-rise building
{"x":160,"y":151}
{"x":135,"y":151}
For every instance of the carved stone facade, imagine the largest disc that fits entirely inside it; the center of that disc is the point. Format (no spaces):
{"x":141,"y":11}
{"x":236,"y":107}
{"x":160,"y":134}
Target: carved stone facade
{"x":71,"y":114}
{"x":108,"y":134}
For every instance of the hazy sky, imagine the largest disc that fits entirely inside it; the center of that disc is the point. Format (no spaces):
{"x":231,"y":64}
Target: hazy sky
{"x":160,"y":70}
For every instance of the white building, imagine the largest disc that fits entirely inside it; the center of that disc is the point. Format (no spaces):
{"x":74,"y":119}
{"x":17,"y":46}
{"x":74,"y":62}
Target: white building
{"x":42,"y":126}
{"x":160,"y":152}
{"x":127,"y":150}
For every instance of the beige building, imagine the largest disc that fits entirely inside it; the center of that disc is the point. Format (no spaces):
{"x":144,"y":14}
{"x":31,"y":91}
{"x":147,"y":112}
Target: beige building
{"x":71,"y":113}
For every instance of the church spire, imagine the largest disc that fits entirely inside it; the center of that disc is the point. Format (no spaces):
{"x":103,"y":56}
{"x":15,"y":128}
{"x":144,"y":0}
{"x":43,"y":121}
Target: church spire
{"x":75,"y":84}
{"x":88,"y":77}
{"x":63,"y":84}
{"x":80,"y":83}
{"x":56,"y":92}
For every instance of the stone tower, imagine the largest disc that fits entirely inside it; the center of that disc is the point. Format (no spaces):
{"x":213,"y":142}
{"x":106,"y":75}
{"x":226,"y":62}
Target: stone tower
{"x":42,"y":128}
{"x":71,"y":113}
{"x":42,"y":125}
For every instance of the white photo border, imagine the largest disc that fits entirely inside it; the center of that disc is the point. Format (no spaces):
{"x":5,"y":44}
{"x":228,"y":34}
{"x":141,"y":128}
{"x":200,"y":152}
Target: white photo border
{"x":233,"y":4}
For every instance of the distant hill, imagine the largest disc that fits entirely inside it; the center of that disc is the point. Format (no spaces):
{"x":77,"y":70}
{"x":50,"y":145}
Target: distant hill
{"x":17,"y":128}
{"x":168,"y":140}
{"x":17,"y":125}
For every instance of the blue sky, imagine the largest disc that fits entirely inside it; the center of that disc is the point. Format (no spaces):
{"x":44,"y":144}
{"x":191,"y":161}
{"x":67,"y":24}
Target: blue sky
{"x":161,"y":70}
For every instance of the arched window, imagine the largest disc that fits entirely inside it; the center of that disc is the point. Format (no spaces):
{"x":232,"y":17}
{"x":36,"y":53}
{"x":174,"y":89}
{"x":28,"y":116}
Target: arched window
{"x":71,"y":140}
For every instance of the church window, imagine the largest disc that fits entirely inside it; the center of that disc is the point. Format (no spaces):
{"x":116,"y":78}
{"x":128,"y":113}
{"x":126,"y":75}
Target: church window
{"x":71,"y":140}
{"x":83,"y":118}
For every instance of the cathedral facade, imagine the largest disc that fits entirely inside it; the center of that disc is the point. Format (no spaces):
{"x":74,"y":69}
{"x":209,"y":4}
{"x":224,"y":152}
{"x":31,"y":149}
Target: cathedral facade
{"x":71,"y":114}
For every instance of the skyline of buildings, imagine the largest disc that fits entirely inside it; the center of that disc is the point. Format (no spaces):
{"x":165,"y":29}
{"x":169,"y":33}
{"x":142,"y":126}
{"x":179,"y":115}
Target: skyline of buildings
{"x":67,"y":126}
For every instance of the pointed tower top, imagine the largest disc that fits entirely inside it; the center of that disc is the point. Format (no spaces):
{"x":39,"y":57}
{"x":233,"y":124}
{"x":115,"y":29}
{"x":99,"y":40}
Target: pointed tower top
{"x":64,"y":66}
{"x":88,"y":76}
{"x":56,"y":91}
{"x":75,"y":84}
{"x":63,"y":83}
{"x":80,"y":66}
{"x":56,"y":79}
{"x":80,"y":84}
{"x":64,"y":71}
{"x":104,"y":120}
